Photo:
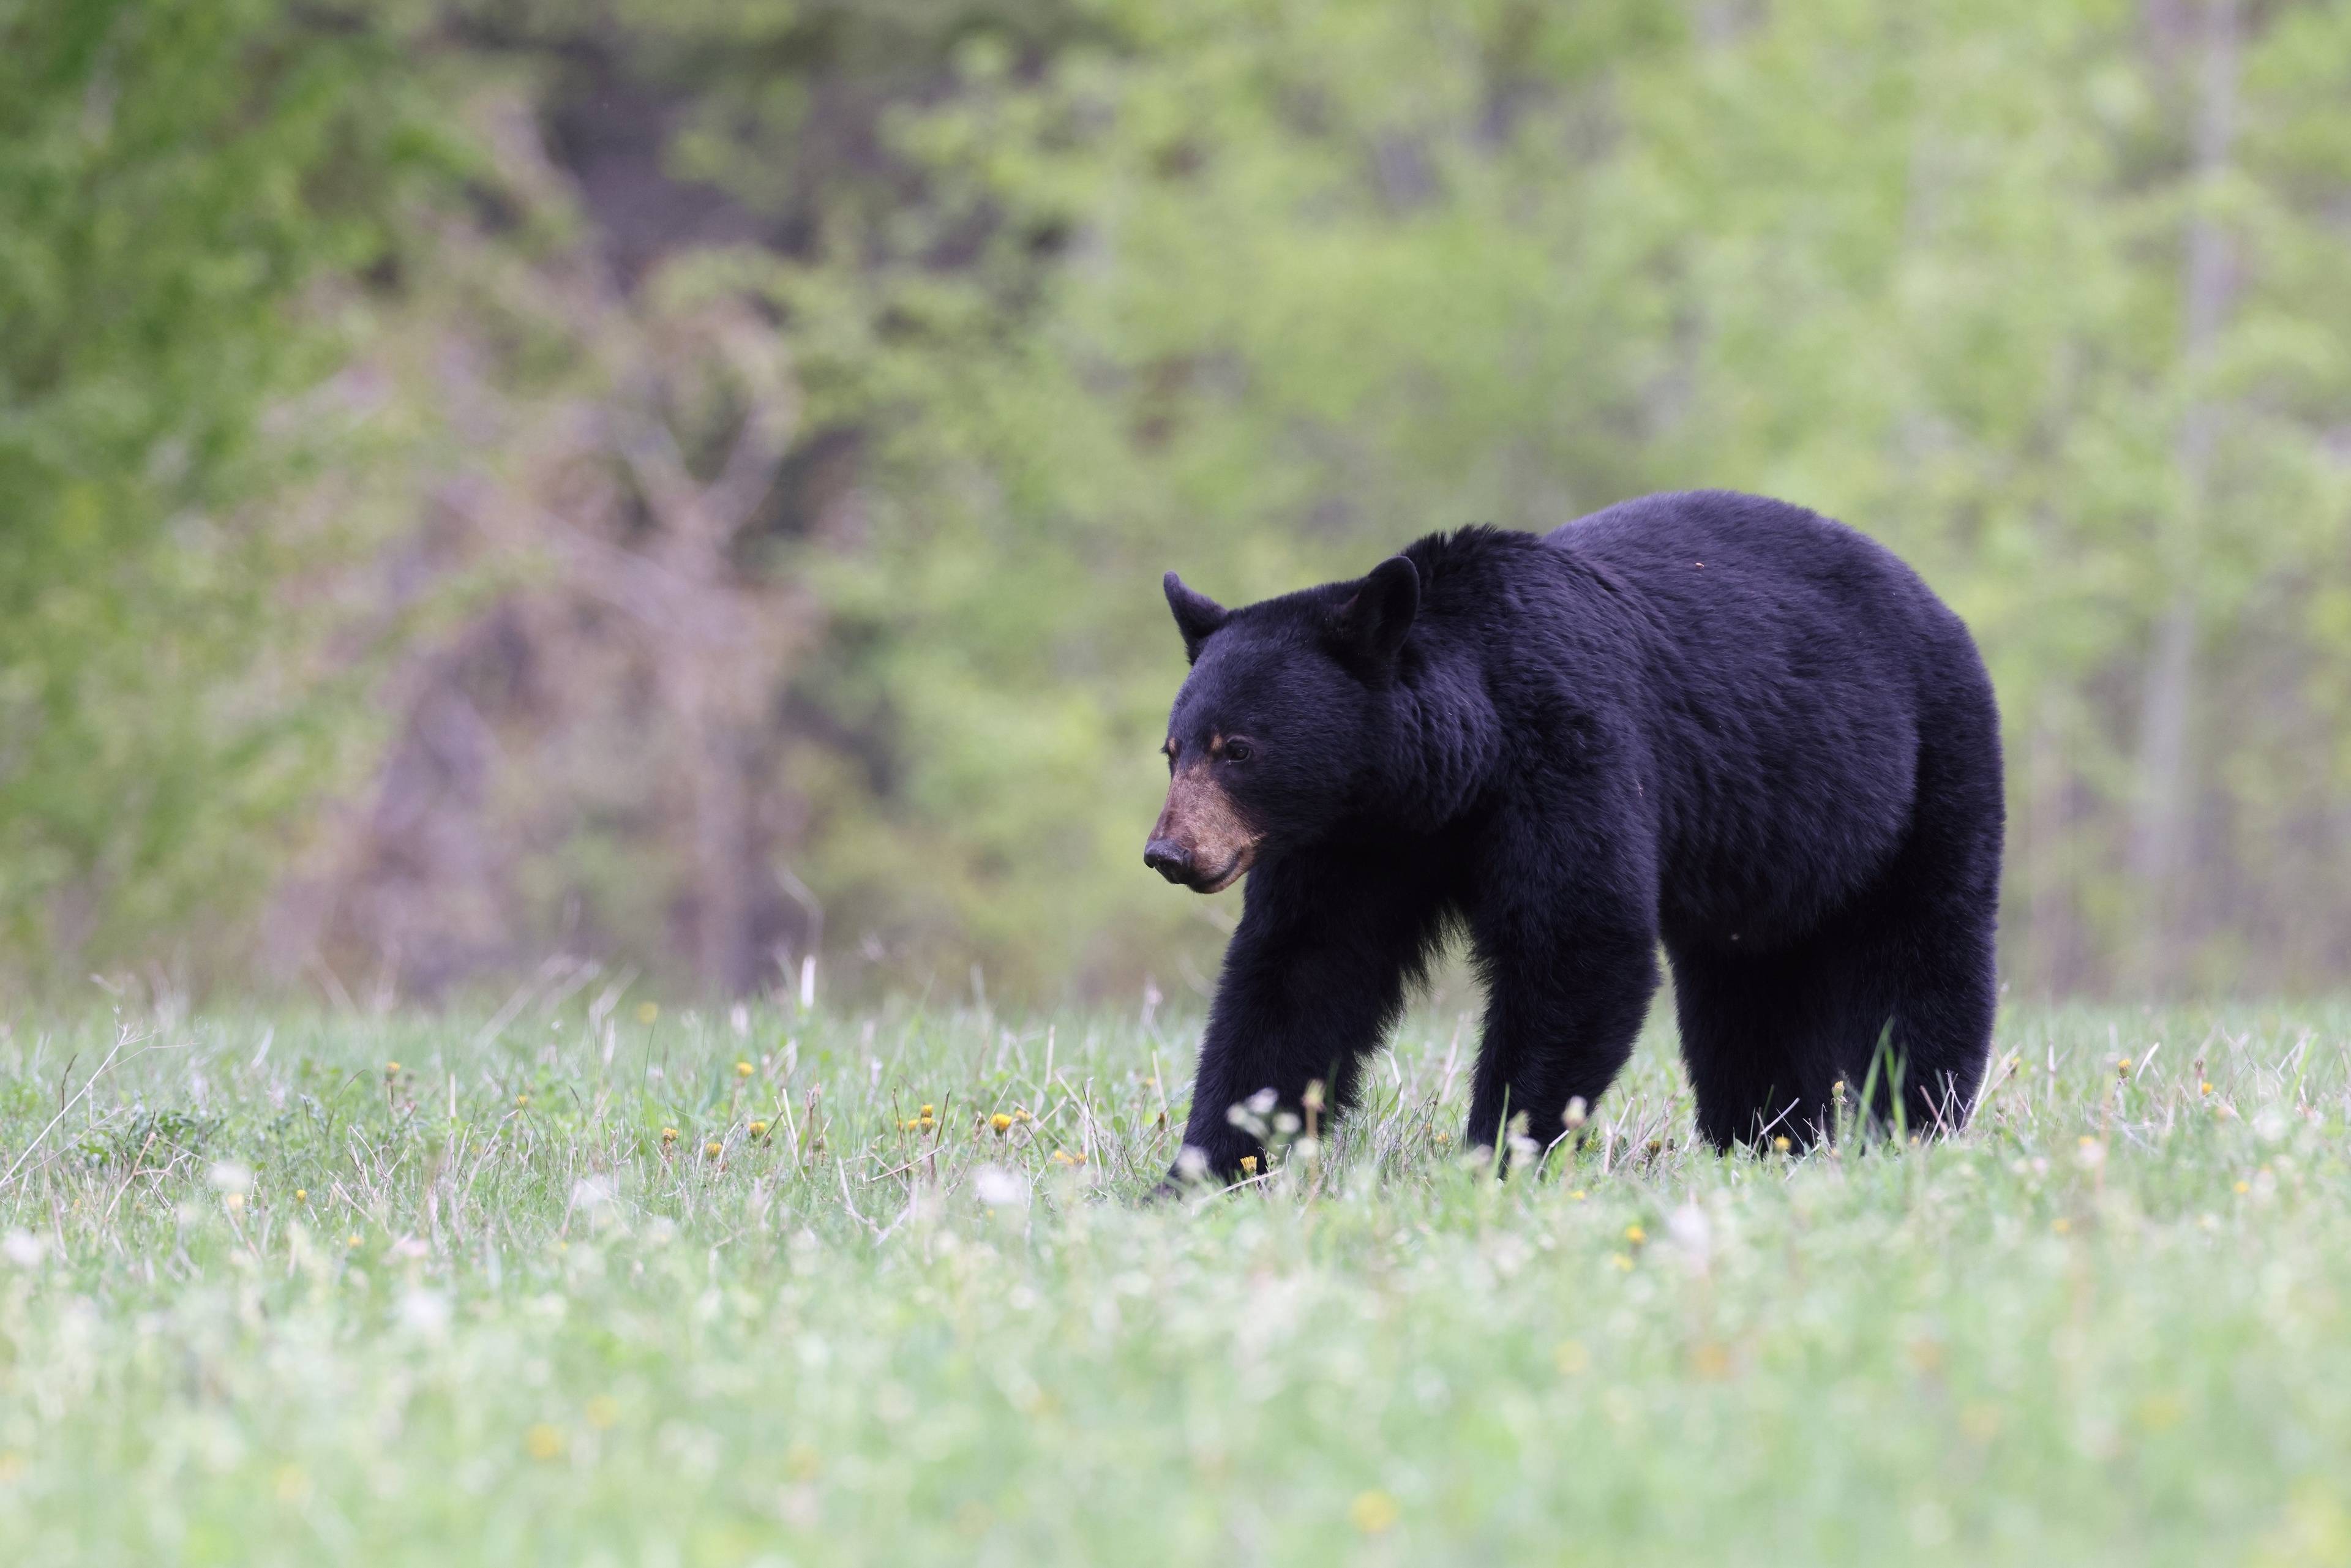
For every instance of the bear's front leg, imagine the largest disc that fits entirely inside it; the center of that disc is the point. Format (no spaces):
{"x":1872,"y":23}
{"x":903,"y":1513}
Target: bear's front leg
{"x":1312,"y":978}
{"x":1570,"y":962}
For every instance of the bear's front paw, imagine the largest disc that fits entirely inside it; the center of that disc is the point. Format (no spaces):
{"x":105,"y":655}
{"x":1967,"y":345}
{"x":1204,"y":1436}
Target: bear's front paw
{"x":1204,"y":1167}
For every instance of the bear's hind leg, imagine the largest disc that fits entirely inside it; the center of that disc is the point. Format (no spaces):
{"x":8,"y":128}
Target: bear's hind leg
{"x":1917,"y":950}
{"x":1893,"y":998}
{"x":1759,"y":1034}
{"x":1906,"y":963}
{"x":1918,"y":962}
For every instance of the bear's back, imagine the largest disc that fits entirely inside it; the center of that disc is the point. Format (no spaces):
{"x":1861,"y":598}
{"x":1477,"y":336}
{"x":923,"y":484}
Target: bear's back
{"x":1655,"y":538}
{"x":1791,"y":666}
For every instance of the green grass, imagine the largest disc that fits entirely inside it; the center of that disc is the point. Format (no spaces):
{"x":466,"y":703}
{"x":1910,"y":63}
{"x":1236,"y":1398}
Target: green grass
{"x":264,"y":1300}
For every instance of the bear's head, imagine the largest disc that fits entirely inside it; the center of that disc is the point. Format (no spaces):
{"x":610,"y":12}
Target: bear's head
{"x":1271,"y":738}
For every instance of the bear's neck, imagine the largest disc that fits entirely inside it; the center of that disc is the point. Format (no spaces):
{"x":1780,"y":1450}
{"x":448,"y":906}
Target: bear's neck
{"x":1444,"y":737}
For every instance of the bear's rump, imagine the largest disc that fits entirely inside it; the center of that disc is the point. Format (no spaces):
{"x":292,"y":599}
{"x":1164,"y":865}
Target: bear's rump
{"x":1785,"y":662}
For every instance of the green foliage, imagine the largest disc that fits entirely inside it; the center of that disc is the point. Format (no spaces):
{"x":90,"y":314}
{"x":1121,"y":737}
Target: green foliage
{"x":173,"y":173}
{"x":433,"y":1291}
{"x":1087,"y":290}
{"x":1317,"y":278}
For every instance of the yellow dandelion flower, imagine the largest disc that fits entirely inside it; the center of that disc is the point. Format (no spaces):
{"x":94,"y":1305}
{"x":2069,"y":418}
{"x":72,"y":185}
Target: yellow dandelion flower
{"x":759,"y":1129}
{"x":543,"y":1442}
{"x":522,"y":1101}
{"x":926,"y":1122}
{"x":1373,"y":1512}
{"x":711,"y":1148}
{"x":1249,"y":1165}
{"x":742,"y":1070}
{"x":1061,"y":1157}
{"x":392,"y":1070}
{"x":2203,"y":1088}
{"x":2244,"y":1187}
{"x":354,"y":1240}
{"x":647,"y":1012}
{"x":1579,"y":1195}
{"x":1000,"y":1121}
{"x":1635,"y":1234}
{"x":2122,"y":1066}
{"x":1020,"y":1114}
{"x":929,"y":1109}
{"x":1781,"y":1144}
{"x":232,"y":1201}
{"x":907,"y":1126}
{"x":669,"y":1135}
{"x":301,"y":1194}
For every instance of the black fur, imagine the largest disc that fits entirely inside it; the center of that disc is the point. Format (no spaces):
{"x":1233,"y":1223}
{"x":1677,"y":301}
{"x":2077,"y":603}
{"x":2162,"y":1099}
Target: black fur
{"x":1707,"y":720}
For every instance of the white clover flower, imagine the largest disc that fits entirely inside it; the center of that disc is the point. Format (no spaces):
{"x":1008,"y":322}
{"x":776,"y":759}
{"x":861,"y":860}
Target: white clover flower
{"x":425,"y":1312}
{"x":998,"y":1187}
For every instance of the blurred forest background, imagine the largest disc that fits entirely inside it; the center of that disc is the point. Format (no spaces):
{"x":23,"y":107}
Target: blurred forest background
{"x":683,"y":484}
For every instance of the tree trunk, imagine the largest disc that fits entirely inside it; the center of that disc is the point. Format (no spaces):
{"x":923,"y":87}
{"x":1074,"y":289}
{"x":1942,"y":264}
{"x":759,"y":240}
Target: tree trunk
{"x":706,"y":637}
{"x":2158,"y":848}
{"x":2051,"y":925}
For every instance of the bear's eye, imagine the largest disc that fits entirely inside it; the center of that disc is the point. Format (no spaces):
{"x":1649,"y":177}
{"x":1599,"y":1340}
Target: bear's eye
{"x":1238,"y":751}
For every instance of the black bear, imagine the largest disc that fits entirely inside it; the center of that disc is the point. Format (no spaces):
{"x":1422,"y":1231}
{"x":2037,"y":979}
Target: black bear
{"x":1708,"y":720}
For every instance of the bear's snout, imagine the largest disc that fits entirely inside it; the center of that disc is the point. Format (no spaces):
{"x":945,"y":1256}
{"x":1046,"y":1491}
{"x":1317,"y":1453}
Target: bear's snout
{"x":1202,"y":841}
{"x":1169,"y":859}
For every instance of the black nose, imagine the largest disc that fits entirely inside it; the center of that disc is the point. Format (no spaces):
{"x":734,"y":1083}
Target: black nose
{"x":1168,"y":858}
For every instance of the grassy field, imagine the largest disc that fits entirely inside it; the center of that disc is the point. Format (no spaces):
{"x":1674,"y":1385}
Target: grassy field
{"x":613,"y":1286}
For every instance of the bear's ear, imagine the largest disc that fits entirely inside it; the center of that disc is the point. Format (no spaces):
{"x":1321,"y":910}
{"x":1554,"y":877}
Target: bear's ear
{"x":1376,"y":613}
{"x":1196,"y":616}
